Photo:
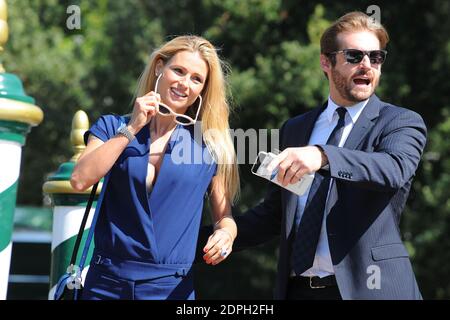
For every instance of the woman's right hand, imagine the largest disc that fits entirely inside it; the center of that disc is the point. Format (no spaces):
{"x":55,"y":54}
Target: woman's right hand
{"x":218,"y":247}
{"x":144,"y":109}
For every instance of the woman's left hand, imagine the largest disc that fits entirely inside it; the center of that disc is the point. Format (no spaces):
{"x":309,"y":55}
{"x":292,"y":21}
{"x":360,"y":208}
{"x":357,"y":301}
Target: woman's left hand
{"x":218,"y":247}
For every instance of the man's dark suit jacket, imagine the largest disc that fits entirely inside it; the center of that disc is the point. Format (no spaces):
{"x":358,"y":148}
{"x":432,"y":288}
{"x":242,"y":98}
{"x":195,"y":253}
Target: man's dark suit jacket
{"x":372,"y":177}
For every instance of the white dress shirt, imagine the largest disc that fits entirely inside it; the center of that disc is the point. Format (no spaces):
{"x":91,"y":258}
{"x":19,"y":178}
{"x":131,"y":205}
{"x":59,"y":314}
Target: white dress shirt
{"x":322,"y":265}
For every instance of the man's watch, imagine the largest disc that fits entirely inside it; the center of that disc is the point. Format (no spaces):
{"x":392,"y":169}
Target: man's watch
{"x":123,"y":130}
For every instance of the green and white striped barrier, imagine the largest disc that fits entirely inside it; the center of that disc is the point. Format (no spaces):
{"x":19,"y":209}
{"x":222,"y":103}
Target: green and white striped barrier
{"x":17,"y":115}
{"x":10,"y":169}
{"x":69,"y":207}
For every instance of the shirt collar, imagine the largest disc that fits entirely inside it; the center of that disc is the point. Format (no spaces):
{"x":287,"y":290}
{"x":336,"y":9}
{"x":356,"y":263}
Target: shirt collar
{"x":354,"y":111}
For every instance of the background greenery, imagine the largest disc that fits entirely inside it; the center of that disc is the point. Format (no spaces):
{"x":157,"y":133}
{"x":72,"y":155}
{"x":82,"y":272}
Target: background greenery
{"x":272,"y":48}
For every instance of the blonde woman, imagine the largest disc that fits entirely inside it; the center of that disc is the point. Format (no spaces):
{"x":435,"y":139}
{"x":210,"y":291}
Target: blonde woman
{"x":150,"y":214}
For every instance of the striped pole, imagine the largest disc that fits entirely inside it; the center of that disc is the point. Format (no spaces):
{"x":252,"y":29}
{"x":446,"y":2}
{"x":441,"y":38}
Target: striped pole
{"x":69,"y":206}
{"x":17,"y":115}
{"x":9,"y":168}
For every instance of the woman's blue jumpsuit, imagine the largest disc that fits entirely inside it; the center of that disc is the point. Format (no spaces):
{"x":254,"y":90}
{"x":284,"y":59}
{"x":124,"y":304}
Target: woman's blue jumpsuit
{"x":145,"y":243}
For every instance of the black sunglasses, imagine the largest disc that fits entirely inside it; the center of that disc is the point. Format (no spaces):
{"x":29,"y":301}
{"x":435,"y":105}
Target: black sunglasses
{"x":356,"y":56}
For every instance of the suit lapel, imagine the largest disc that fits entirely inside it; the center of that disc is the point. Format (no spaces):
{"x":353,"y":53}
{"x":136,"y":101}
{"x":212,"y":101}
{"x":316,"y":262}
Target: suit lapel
{"x":304,"y":129}
{"x":364,"y":123}
{"x":359,"y":131}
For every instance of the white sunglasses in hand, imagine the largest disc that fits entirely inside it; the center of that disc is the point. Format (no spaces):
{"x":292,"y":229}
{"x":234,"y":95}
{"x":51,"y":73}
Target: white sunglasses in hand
{"x":182,"y":119}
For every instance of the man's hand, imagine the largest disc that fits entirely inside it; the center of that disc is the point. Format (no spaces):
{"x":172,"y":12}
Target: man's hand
{"x":293,"y":163}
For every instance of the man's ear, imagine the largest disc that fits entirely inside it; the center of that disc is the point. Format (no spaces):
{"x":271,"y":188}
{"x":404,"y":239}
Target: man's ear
{"x":325,"y":63}
{"x":159,"y":67}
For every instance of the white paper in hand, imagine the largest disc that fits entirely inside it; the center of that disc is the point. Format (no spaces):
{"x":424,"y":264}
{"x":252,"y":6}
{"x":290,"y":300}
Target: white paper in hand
{"x":260,"y":168}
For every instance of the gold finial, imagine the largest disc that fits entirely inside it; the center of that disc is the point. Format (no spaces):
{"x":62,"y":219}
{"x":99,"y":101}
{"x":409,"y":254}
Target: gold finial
{"x":3,"y":28}
{"x":80,"y":124}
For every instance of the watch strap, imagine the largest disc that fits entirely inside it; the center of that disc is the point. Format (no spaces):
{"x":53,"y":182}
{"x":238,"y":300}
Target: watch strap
{"x":123,"y":130}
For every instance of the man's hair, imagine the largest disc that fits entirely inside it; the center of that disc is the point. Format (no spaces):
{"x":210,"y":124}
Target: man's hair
{"x":351,"y":22}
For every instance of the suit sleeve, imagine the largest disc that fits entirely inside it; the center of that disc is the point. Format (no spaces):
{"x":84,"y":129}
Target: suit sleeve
{"x":262,"y":222}
{"x":393,"y":161}
{"x":258,"y":225}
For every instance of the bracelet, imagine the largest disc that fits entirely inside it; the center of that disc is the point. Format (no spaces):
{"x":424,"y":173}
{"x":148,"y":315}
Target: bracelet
{"x":123,"y":130}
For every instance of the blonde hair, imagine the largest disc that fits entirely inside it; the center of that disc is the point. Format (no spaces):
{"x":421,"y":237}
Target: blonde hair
{"x":351,"y":22}
{"x":215,"y":111}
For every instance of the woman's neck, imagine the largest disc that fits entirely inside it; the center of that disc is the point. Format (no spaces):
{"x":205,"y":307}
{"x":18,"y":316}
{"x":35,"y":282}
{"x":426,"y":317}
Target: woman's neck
{"x":160,"y":125}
